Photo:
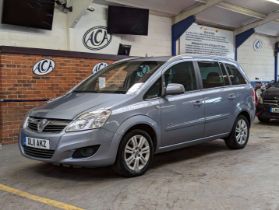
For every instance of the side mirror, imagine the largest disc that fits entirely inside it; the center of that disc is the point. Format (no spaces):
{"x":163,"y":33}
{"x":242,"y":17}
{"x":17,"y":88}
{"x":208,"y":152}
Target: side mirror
{"x":174,"y":89}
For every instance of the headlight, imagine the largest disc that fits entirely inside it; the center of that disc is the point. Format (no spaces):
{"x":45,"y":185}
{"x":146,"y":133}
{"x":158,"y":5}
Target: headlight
{"x":25,"y":122}
{"x":89,"y":120}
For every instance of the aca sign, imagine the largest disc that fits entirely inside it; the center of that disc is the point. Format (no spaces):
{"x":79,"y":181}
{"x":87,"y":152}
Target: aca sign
{"x":96,"y":38}
{"x":44,"y":67}
{"x":99,"y":67}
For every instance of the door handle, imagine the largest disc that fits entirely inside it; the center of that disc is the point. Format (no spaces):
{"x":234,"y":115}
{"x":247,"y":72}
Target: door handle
{"x":232,"y":96}
{"x":198,"y":103}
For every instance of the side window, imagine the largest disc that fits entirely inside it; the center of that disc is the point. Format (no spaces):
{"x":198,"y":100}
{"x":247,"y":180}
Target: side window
{"x":235,"y":76}
{"x":211,"y":74}
{"x":155,"y":90}
{"x":225,"y":75}
{"x":182,"y":73}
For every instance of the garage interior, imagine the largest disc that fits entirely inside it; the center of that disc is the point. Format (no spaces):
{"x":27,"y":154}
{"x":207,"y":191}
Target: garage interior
{"x":206,"y":176}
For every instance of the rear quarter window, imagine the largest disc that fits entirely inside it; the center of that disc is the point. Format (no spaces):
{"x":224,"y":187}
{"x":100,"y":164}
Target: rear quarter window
{"x":235,"y":76}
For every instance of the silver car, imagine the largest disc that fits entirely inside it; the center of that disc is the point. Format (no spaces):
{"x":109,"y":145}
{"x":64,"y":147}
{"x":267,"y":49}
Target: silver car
{"x":135,"y":108}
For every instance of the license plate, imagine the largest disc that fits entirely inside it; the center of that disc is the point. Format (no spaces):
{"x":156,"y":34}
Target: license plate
{"x":274,"y":110}
{"x":37,"y":143}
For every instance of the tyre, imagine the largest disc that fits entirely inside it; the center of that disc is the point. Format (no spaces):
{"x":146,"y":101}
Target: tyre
{"x":263,"y":119}
{"x":135,"y":154}
{"x":239,"y":135}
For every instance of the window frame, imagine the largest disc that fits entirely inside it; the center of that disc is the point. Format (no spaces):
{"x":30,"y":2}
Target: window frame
{"x":160,"y":96}
{"x":226,"y":71}
{"x":163,"y":85}
{"x":200,"y":76}
{"x":178,"y":62}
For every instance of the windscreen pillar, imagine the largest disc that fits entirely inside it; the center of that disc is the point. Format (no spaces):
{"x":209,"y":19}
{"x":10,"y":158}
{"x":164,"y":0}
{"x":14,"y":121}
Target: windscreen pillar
{"x":178,"y":29}
{"x":241,"y":38}
{"x":276,"y":57}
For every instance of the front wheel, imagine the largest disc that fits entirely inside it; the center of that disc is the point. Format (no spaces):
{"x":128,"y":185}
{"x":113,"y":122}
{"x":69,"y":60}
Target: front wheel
{"x":239,"y":135}
{"x":135,"y":153}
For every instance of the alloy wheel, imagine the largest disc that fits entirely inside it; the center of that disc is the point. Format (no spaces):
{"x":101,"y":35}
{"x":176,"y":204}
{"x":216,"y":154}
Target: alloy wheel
{"x":137,"y":152}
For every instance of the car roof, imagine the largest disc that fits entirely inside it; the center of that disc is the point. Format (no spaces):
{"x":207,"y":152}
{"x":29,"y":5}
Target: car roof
{"x":180,"y":57}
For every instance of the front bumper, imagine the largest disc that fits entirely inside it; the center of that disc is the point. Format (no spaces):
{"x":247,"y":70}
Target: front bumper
{"x":65,"y":144}
{"x":263,"y":110}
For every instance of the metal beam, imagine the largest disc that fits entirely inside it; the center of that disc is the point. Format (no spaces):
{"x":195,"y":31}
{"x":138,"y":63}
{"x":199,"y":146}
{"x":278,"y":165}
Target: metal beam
{"x":79,"y":9}
{"x":271,"y":17}
{"x":187,"y":13}
{"x":239,"y":10}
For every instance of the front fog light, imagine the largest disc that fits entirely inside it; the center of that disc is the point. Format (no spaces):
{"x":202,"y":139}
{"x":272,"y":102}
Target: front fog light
{"x":85,"y":152}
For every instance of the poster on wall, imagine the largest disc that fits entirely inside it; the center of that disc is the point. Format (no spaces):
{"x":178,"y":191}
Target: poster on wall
{"x":203,"y":40}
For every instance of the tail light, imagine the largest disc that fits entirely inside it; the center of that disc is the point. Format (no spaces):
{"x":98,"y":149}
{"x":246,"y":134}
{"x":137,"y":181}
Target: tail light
{"x":254,"y":98}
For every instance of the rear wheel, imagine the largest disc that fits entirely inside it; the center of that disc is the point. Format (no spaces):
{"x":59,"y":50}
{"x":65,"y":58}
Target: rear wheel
{"x":239,"y":135}
{"x":263,"y":119}
{"x":135,"y":153}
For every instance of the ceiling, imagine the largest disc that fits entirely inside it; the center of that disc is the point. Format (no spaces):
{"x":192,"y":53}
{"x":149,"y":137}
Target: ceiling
{"x":228,"y":14}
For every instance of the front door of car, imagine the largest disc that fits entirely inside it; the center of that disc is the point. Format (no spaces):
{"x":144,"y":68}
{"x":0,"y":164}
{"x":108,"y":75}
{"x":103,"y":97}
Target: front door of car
{"x":182,"y":115}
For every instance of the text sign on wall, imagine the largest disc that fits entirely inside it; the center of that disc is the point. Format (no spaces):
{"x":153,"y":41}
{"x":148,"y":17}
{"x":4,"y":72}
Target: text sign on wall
{"x":202,"y":40}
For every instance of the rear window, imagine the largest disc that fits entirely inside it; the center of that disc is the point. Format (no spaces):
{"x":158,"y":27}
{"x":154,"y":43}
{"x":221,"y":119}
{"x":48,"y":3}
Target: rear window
{"x":235,"y":76}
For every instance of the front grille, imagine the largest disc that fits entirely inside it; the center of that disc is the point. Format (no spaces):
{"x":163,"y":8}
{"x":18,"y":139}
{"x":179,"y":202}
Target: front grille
{"x":47,"y":125}
{"x":274,"y":102}
{"x":38,"y":153}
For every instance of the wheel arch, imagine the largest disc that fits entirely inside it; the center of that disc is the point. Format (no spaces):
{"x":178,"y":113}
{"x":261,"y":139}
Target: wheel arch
{"x":247,"y":115}
{"x":140,"y":122}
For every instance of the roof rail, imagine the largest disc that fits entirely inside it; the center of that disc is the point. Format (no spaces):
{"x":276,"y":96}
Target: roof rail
{"x":183,"y":56}
{"x":127,"y":59}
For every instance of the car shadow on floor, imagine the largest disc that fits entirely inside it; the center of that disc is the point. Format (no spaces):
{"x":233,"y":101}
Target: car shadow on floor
{"x":85,"y":174}
{"x":271,"y":123}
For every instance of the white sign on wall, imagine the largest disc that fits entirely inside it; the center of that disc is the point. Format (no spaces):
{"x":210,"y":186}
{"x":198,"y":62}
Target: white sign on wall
{"x":203,"y":40}
{"x":257,"y":45}
{"x":98,"y":67}
{"x":43,"y":67}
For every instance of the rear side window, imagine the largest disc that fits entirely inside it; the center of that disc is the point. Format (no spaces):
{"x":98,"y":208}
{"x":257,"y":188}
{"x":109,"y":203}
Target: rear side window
{"x":235,"y":76}
{"x":211,"y":74}
{"x":182,"y":73}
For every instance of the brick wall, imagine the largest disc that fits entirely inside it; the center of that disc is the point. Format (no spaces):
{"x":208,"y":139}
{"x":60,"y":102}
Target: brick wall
{"x":18,"y":82}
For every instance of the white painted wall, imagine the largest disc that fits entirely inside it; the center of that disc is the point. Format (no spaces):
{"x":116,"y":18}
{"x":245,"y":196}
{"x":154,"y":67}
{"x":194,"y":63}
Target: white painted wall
{"x":157,"y":43}
{"x":29,"y":37}
{"x":257,"y":63}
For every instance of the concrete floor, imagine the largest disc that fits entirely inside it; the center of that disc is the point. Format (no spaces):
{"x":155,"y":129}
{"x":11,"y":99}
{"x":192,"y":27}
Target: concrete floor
{"x":207,"y":176}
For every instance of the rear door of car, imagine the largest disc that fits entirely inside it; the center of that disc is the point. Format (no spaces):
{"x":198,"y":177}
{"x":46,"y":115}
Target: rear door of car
{"x":217,"y":97}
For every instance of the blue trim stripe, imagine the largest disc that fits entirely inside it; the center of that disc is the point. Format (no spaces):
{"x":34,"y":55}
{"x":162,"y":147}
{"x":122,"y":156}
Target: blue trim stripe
{"x":241,"y":38}
{"x":178,"y":29}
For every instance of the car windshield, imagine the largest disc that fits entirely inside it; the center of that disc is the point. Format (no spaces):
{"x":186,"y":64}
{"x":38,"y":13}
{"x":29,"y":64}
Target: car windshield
{"x":119,"y":77}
